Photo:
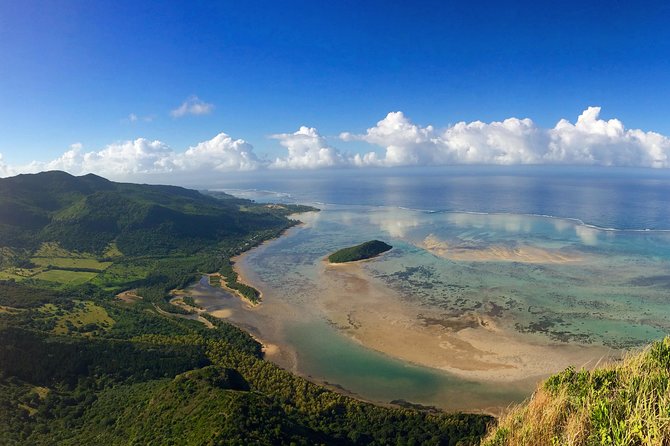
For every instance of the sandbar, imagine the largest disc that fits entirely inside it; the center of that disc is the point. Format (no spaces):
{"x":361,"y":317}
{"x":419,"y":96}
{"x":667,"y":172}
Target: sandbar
{"x":495,"y":253}
{"x":471,"y":346}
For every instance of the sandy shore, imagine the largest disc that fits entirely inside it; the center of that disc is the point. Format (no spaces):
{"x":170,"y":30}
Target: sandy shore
{"x":470,"y":346}
{"x":522,"y":254}
{"x":224,"y":285}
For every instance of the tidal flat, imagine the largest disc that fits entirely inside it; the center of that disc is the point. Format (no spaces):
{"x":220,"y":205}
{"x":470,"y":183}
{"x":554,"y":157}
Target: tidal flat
{"x":466,"y":312}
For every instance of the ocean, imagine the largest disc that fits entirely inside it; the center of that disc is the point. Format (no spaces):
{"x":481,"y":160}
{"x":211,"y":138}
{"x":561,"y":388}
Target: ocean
{"x":498,"y":277}
{"x":622,"y":198}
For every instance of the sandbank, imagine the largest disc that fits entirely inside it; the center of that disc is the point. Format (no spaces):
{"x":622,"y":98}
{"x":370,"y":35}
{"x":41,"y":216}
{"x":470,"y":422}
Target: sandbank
{"x":496,"y":253}
{"x":471,"y":346}
{"x":129,"y":297}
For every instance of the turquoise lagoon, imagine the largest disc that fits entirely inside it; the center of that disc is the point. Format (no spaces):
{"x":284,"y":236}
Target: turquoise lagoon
{"x":551,"y":281}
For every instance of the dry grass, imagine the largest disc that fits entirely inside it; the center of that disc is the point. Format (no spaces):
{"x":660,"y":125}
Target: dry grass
{"x":626,"y":403}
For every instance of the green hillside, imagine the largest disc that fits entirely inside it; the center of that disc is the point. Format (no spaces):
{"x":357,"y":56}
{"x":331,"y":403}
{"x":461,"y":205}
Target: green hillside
{"x":87,"y":213}
{"x":363,"y":251}
{"x":80,"y":366}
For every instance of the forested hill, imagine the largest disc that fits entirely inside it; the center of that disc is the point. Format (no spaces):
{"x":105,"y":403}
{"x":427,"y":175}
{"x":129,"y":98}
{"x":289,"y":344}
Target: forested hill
{"x":92,"y":351}
{"x":364,"y":251}
{"x":88,"y":213}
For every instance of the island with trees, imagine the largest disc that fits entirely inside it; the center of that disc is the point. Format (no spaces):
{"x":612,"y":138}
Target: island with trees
{"x":364,"y":251}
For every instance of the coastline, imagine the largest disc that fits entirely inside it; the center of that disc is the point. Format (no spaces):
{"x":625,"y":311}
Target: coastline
{"x":474,"y":347}
{"x":254,"y":318}
{"x":471,"y":346}
{"x":242,"y":274}
{"x":241,"y":278}
{"x":223,"y":284}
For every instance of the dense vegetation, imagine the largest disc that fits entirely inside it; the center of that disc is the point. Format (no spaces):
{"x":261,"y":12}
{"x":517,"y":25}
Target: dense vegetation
{"x":363,"y":251}
{"x":86,"y":214}
{"x":622,"y":404}
{"x":81,"y":366}
{"x":230,"y":276}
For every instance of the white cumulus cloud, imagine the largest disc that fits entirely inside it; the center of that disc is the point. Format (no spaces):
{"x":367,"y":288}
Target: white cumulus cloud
{"x":590,"y":140}
{"x":133,"y":118}
{"x":120,"y":159}
{"x":141,"y":157}
{"x":192,"y":106}
{"x":221,"y":153}
{"x":307,"y":149}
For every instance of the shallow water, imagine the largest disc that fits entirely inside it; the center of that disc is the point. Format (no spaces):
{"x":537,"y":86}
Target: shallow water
{"x":553,"y":281}
{"x":312,"y":347}
{"x":578,"y":284}
{"x":330,"y":357}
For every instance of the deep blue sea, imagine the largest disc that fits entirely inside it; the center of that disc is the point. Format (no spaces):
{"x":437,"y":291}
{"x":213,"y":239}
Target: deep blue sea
{"x":604,"y":197}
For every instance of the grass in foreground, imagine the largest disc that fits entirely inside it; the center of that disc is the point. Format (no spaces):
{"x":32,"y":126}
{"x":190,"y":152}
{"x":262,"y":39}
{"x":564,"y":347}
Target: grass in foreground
{"x":626,"y":403}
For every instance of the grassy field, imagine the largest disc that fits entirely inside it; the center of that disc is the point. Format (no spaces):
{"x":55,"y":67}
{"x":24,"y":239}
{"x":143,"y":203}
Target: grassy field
{"x":121,"y":273}
{"x":51,"y":263}
{"x":52,"y":254}
{"x":52,"y":249}
{"x":10,"y":274}
{"x":84,"y":317}
{"x":112,"y":251}
{"x":84,"y":314}
{"x":69,"y":262}
{"x":65,"y":277}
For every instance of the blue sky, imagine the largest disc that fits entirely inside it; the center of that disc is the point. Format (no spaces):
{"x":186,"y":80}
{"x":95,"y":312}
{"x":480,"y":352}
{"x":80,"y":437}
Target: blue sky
{"x":75,"y":71}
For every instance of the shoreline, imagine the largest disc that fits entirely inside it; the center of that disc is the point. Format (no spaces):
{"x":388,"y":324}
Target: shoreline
{"x":224,"y":286}
{"x":242,"y":276}
{"x":473,"y":347}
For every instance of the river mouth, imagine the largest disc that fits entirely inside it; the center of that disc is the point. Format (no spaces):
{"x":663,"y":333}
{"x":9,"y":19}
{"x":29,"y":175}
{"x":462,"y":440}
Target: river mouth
{"x":467,"y":312}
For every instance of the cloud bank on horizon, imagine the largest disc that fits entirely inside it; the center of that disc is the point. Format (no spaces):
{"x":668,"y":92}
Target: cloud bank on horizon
{"x":589,"y":141}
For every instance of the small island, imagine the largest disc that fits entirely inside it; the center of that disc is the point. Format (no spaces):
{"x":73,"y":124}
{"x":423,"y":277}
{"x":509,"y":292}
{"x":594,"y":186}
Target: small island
{"x":363,"y":251}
